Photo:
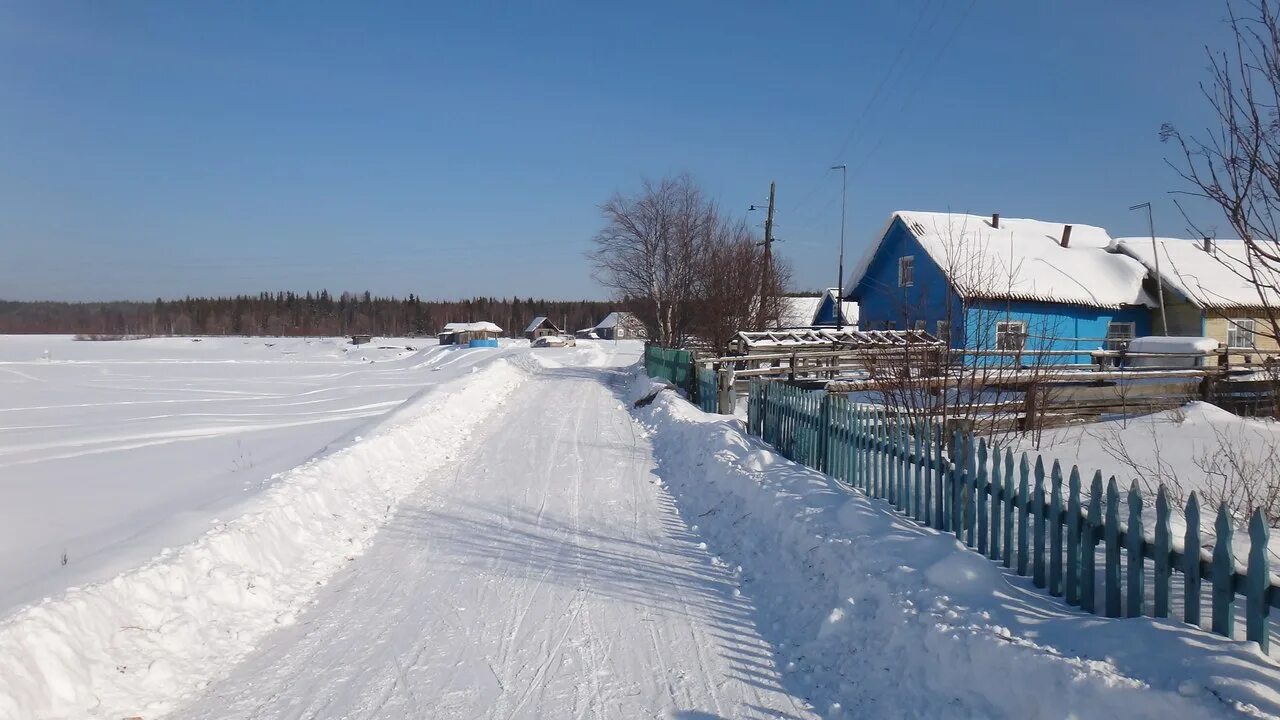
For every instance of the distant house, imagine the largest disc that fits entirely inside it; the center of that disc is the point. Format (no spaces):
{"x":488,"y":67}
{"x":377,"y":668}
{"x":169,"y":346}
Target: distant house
{"x":834,"y":312}
{"x":1207,"y":292}
{"x":982,"y":283}
{"x":474,"y":334}
{"x":541,"y":327}
{"x":809,"y":311}
{"x":796,"y":311}
{"x":620,"y":326}
{"x":586,"y":334}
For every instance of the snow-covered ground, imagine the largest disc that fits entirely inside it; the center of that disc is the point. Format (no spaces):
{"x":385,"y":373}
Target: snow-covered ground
{"x":111,"y":451}
{"x":520,"y":540}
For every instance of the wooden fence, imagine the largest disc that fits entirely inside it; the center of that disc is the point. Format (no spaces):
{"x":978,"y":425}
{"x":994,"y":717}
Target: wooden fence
{"x":1078,"y":545}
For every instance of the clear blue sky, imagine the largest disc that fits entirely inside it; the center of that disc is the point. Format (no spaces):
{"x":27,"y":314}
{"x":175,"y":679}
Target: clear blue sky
{"x":164,"y":149}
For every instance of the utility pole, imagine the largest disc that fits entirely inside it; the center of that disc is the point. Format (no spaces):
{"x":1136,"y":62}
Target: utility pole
{"x":844,"y":194}
{"x":1155,"y":253}
{"x":766,"y":281}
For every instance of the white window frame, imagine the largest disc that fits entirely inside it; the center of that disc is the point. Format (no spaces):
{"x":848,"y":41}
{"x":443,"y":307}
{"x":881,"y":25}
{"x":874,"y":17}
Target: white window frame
{"x":1244,"y":331}
{"x":1004,"y":331}
{"x":1116,"y":342}
{"x":906,"y":271}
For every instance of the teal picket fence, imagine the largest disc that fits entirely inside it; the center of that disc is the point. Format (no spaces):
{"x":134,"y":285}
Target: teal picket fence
{"x":708,"y":390}
{"x":671,"y":364}
{"x":1081,"y":543}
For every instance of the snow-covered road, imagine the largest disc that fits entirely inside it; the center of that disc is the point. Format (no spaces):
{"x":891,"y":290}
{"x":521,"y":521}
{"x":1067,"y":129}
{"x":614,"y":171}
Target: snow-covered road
{"x":546,"y":574}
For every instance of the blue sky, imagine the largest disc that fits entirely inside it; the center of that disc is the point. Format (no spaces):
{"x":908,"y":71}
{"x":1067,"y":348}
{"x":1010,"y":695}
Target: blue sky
{"x":165,"y":149}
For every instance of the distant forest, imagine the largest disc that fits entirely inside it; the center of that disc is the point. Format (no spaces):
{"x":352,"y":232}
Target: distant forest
{"x":287,"y":313}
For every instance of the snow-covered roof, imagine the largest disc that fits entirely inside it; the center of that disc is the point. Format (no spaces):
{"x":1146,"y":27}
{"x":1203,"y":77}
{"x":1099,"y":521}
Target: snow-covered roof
{"x":1021,"y":260}
{"x":1217,"y":278}
{"x":535,"y":323}
{"x":613,"y":319}
{"x":848,"y":337}
{"x":483,"y":326}
{"x":850,"y":311}
{"x":797,"y":312}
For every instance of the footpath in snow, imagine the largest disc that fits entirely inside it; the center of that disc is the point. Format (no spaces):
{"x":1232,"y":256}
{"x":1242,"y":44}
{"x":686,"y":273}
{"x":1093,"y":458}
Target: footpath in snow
{"x":545,"y":574}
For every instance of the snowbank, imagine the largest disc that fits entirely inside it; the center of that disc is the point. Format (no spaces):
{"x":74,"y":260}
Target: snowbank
{"x":1171,"y":345}
{"x":876,"y":616}
{"x":139,"y":642}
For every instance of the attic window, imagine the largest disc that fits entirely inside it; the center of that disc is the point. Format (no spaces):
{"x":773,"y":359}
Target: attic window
{"x":917,"y":228}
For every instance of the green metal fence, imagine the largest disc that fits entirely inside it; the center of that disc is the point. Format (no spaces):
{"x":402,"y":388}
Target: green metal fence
{"x":1077,"y":543}
{"x":678,"y":367}
{"x":708,"y":390}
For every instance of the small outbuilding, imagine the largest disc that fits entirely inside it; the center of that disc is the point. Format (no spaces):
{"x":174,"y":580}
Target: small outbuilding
{"x":620,"y":326}
{"x":474,"y":334}
{"x":361,"y":339}
{"x":541,"y":326}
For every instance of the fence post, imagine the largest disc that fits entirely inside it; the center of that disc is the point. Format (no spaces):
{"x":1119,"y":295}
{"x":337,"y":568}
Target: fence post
{"x":1024,"y":471}
{"x":824,"y":432}
{"x":1164,"y":543}
{"x":1224,"y":568}
{"x":1088,"y":571}
{"x":1257,"y":607}
{"x":980,"y":496}
{"x":1055,"y":530}
{"x":1111,"y":530}
{"x":939,"y":477}
{"x":1073,"y":537}
{"x":1191,"y":563}
{"x":997,"y":492}
{"x":1007,"y":509}
{"x":1134,"y":537}
{"x":724,"y":396}
{"x":1037,"y":527}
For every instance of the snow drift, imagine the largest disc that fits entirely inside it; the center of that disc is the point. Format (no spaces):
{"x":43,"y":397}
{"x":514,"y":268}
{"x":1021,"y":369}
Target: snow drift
{"x":875,"y":616}
{"x":136,"y":644}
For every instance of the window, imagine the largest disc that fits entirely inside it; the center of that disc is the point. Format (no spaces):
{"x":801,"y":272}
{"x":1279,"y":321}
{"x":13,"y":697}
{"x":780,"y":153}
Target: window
{"x":944,"y":331}
{"x":1118,"y":335}
{"x":1240,"y":332}
{"x":906,"y":270}
{"x":1011,"y":335}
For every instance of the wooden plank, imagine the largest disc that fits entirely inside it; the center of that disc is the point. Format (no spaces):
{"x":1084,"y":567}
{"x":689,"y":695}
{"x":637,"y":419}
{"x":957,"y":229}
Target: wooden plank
{"x":1024,"y":472}
{"x":1088,"y":545}
{"x":1072,"y":590}
{"x":1055,"y":530}
{"x":1224,"y":593}
{"x":1163,"y":546}
{"x":1136,"y":594}
{"x":1007,"y":509}
{"x":1038,"y":570}
{"x":1111,"y":534}
{"x":981,"y":492}
{"x":1258,"y":578}
{"x":1191,"y":560}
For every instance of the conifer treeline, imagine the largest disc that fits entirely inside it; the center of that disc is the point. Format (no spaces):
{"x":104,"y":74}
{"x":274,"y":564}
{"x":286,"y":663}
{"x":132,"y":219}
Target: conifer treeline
{"x":288,"y":313}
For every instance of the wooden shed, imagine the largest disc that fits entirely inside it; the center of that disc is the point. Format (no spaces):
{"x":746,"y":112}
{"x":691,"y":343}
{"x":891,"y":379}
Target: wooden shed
{"x":541,"y":326}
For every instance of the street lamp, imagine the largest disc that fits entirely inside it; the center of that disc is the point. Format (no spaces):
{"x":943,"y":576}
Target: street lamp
{"x":844,"y":191}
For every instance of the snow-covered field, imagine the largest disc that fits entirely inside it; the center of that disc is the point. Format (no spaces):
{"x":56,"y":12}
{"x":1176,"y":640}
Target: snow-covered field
{"x":505,"y":534}
{"x":111,"y":451}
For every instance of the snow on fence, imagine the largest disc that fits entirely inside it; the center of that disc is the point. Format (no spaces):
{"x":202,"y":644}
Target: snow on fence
{"x":1020,"y":518}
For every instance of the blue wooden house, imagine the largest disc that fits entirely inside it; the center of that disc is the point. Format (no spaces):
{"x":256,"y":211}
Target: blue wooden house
{"x":834,"y":312}
{"x":991,"y":283}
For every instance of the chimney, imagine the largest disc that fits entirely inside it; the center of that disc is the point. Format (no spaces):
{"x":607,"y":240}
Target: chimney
{"x":1208,"y":245}
{"x":1066,"y":235}
{"x":995,"y":220}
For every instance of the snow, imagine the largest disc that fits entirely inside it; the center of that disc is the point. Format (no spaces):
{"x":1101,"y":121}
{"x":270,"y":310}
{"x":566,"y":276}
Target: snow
{"x":546,"y":575}
{"x":535,"y":323}
{"x":797,"y":312}
{"x":131,"y":645}
{"x":482,"y":326}
{"x":881,"y":617}
{"x":1023,"y":260}
{"x":1171,"y":345}
{"x":1215,"y":279}
{"x":518,"y":539}
{"x":111,"y":451}
{"x":611,"y":320}
{"x":850,"y":311}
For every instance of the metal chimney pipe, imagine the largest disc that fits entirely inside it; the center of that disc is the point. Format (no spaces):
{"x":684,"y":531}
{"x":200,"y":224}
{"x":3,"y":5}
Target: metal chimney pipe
{"x":995,"y":220}
{"x":1066,"y":235}
{"x":1208,"y":244}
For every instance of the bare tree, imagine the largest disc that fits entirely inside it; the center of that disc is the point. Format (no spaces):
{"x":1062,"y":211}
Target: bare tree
{"x":686,"y":269}
{"x":1236,"y":165}
{"x":650,"y":249}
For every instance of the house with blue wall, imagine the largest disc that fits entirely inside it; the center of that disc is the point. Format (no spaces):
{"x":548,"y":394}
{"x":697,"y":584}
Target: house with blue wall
{"x":992,"y":283}
{"x":834,"y":312}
